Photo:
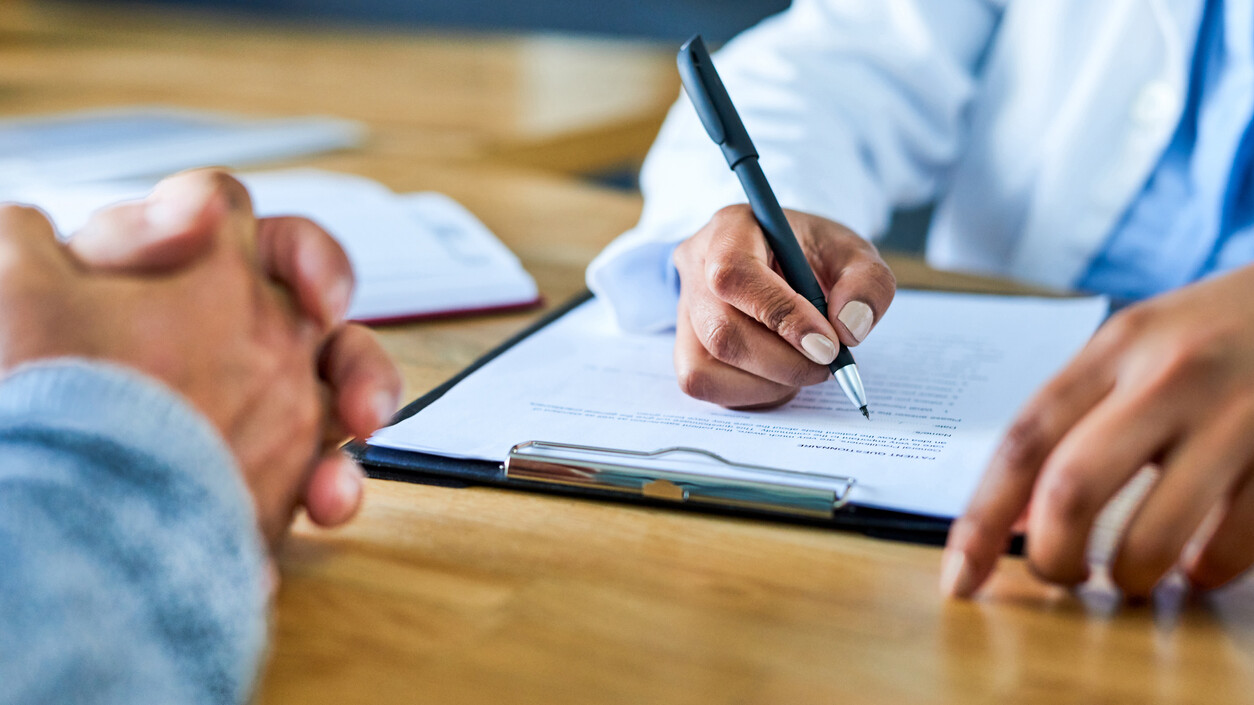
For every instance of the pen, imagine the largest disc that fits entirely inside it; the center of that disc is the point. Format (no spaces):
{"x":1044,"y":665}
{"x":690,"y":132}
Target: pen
{"x":722,"y":122}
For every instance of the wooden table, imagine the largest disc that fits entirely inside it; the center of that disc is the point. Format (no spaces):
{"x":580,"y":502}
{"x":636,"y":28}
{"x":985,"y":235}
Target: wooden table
{"x":483,"y":596}
{"x":560,"y":102}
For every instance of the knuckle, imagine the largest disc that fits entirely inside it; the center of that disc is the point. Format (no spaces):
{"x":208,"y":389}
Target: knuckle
{"x":1066,"y":500}
{"x":1124,"y":327}
{"x":778,"y":313}
{"x":731,"y":215}
{"x":20,"y":224}
{"x":310,"y":230}
{"x":883,"y":281}
{"x":723,"y":341}
{"x":1190,"y":359}
{"x":230,"y":188}
{"x":1026,"y":442}
{"x":727,"y":276}
{"x":874,"y":271}
{"x":17,"y":214}
{"x":696,"y":381}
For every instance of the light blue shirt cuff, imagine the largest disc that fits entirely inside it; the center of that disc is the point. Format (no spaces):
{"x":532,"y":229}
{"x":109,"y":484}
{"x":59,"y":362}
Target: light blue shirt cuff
{"x":641,"y":286}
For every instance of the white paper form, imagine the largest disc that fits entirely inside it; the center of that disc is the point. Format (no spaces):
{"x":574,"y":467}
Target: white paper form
{"x":944,"y":375}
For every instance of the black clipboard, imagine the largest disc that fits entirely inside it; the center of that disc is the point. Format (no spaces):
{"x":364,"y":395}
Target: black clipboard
{"x":425,"y":468}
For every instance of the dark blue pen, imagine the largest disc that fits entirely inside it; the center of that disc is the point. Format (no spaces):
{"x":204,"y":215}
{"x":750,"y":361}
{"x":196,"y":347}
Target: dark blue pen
{"x":714,"y":107}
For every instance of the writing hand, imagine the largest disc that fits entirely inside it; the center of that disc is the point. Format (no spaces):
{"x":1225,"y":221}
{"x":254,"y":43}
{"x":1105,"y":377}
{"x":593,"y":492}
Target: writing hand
{"x":1170,"y":382}
{"x":744,"y":338}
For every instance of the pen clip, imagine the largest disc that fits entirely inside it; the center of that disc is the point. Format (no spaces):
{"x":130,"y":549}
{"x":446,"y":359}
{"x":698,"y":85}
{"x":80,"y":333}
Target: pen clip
{"x":710,"y":99}
{"x":691,"y":56}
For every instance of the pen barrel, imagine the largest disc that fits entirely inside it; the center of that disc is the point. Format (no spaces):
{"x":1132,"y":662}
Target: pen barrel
{"x":844,"y":358}
{"x":779,"y":235}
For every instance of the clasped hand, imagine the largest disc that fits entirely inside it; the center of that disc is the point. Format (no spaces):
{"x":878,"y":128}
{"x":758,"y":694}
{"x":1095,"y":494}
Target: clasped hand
{"x":241,"y":316}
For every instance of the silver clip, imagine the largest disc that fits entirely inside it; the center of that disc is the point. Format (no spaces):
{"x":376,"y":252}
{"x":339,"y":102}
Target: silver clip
{"x":721,"y":482}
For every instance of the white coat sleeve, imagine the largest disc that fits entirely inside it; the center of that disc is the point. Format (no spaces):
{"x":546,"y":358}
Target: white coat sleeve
{"x":855,"y":107}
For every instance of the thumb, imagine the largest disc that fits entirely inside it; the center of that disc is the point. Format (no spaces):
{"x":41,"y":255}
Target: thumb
{"x":169,"y":229}
{"x":860,"y":297}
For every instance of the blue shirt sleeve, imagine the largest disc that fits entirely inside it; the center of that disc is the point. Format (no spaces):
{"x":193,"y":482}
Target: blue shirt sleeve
{"x":131,"y":569}
{"x":1194,"y":216}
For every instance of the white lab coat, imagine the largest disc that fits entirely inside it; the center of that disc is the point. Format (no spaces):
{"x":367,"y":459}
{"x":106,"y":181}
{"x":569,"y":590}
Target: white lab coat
{"x":1034,"y":123}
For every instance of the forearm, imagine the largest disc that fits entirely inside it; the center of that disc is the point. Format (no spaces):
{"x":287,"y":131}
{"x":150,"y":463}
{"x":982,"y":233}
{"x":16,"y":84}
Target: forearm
{"x":132,"y":565}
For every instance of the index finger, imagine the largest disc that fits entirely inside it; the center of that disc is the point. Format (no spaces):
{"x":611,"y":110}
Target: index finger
{"x":979,"y":537}
{"x":305,"y":259}
{"x":737,"y":272}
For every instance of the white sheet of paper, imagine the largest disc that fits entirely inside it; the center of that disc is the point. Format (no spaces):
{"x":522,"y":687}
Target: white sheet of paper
{"x":944,"y":375}
{"x":414,"y":255}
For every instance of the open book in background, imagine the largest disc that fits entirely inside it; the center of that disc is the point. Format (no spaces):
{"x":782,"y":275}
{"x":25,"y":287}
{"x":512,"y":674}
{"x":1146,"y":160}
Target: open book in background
{"x":415,"y":255}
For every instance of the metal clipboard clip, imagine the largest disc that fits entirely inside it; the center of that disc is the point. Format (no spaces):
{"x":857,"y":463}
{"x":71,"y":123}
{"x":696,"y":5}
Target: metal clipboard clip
{"x":689,"y":475}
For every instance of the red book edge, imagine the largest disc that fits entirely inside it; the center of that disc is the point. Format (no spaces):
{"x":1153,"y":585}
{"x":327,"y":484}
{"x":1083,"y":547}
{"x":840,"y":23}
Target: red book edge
{"x":452,"y":313}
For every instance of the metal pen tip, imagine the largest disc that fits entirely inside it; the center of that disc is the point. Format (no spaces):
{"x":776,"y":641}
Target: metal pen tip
{"x":865,"y":413}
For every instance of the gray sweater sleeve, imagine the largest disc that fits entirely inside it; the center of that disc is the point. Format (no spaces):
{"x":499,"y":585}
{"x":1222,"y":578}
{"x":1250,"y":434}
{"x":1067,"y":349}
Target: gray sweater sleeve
{"x":131,"y":570}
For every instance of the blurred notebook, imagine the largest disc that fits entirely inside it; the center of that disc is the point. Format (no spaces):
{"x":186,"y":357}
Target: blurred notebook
{"x":150,"y":141}
{"x":415,"y":255}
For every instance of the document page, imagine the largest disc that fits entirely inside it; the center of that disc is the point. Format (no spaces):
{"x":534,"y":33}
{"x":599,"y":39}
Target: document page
{"x":944,"y":376}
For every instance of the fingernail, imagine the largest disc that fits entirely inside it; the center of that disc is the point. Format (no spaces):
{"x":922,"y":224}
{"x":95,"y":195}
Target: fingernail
{"x":340,"y":296}
{"x":174,"y":206}
{"x":858,"y":318}
{"x":384,"y":406}
{"x":348,"y":483}
{"x":957,"y":575}
{"x":818,"y":348}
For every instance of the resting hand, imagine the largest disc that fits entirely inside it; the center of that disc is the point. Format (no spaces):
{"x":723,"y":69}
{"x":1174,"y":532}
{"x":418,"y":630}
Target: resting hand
{"x":1170,"y":382}
{"x":744,"y":338}
{"x":198,"y":231}
{"x":359,"y":380}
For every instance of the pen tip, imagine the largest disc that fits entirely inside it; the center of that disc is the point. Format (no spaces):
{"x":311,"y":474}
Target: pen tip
{"x":865,"y":413}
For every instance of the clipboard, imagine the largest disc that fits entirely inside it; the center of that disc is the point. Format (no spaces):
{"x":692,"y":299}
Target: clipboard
{"x":614,"y":475}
